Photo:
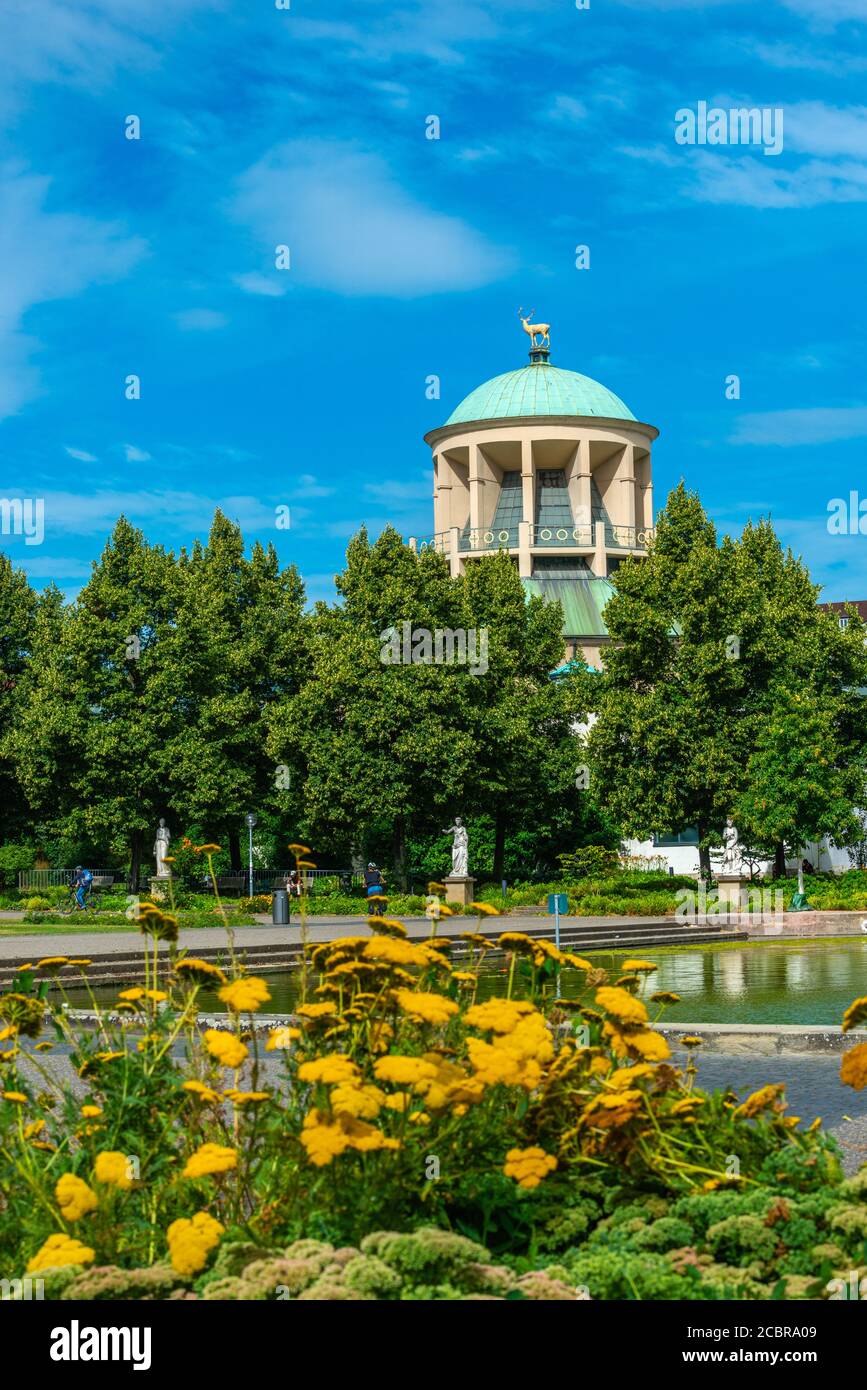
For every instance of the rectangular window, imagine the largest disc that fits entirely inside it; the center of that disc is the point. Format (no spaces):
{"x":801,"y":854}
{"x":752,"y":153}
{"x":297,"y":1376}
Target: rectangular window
{"x":671,"y":841}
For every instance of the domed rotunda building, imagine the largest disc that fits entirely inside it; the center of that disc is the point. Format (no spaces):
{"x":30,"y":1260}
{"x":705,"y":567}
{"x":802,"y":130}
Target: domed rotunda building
{"x":554,"y":469}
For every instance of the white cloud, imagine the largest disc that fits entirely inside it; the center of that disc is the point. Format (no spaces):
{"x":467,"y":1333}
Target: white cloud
{"x":80,"y":454}
{"x":812,"y":127}
{"x":200,"y":320}
{"x":45,"y":256}
{"x":135,"y":455}
{"x":828,"y":12}
{"x":353,"y":229}
{"x":791,"y":428}
{"x":182,"y":513}
{"x":254,"y":283}
{"x":567,"y":109}
{"x":309,"y":486}
{"x":391,"y":490}
{"x":748,"y":180}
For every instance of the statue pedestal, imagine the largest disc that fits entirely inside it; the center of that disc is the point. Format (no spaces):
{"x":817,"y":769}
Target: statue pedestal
{"x":460,"y":888}
{"x":158,"y":888}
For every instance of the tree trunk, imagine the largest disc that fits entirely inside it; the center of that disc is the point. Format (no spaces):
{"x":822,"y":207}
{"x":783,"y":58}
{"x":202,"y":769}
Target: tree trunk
{"x":235,"y":851}
{"x":399,"y":852}
{"x":135,"y":860}
{"x":704,"y":868}
{"x":780,"y":861}
{"x":499,"y":844}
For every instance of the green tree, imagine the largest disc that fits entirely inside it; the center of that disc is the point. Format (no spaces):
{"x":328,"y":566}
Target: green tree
{"x":723,"y":680}
{"x":236,"y":646}
{"x":91,"y":738}
{"x":18,"y":606}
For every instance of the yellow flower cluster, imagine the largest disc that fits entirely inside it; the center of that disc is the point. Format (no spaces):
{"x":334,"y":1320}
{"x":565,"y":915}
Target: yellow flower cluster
{"x":112,"y":1169}
{"x":325,"y":1136}
{"x":210,"y":1158}
{"x":191,"y":1241}
{"x":74,"y":1197}
{"x":228,"y":1050}
{"x":528,"y":1166}
{"x":426,"y":1008}
{"x":59,"y":1250}
{"x":627,"y":1028}
{"x":246,"y":994}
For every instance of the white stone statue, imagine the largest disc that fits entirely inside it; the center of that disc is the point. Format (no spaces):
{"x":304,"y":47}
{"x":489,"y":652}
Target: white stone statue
{"x":460,"y":848}
{"x":161,"y":849}
{"x":731,"y":859}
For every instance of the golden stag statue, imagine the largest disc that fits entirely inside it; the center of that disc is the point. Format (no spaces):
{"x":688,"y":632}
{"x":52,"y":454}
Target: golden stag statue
{"x":533,"y":328}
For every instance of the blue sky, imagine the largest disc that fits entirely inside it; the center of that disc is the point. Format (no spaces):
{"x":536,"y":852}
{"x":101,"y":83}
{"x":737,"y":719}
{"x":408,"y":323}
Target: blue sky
{"x":409,"y":256}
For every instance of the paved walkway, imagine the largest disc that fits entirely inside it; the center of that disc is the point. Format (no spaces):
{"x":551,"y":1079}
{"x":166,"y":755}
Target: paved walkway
{"x":84,"y":943}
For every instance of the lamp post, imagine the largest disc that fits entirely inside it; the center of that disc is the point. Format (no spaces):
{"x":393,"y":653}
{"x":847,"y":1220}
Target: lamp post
{"x":251,"y":821}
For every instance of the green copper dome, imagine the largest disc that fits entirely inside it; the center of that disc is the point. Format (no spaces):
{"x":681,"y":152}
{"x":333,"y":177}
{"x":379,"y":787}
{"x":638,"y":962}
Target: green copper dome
{"x":539,"y":389}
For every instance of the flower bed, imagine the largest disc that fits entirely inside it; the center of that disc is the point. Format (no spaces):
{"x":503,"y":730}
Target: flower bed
{"x":418,"y":1143}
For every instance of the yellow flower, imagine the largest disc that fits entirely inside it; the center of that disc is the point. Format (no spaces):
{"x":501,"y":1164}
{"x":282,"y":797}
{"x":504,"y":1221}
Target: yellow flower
{"x":331,"y":1069}
{"x":247,"y":1097}
{"x":691,"y":1040}
{"x":315,"y":1010}
{"x":34,"y":1128}
{"x":465,"y":977}
{"x":624,"y":1077}
{"x":403,"y":1071}
{"x":576,"y":962}
{"x":639,"y":965}
{"x":132,"y":996}
{"x":853,"y":1068}
{"x":112,"y":1168}
{"x":74,"y":1197}
{"x":622,"y":1006}
{"x":665,"y":996}
{"x":49,"y":962}
{"x":760,"y":1100}
{"x":246,"y":994}
{"x":82,"y":962}
{"x":17,"y":1096}
{"x":516,"y":941}
{"x":485,"y":909}
{"x":225,"y":1047}
{"x":400,"y":1101}
{"x":650,"y":1046}
{"x":198,"y":1088}
{"x":323,"y":1142}
{"x":280,"y":1038}
{"x":362,"y":1102}
{"x":300,"y":849}
{"x":210,"y":1158}
{"x":156,"y":995}
{"x":529,"y":1166}
{"x":394,"y":951}
{"x":855,"y":1014}
{"x":199,"y":972}
{"x":427,"y":1008}
{"x":206,"y":849}
{"x":500,"y":1015}
{"x":90,"y":1112}
{"x":59,"y":1250}
{"x":43,"y":1047}
{"x":190,"y":1241}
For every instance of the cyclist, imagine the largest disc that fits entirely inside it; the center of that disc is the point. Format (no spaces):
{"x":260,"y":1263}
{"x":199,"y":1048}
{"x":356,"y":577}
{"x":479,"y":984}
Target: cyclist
{"x":374,"y":888}
{"x":81,"y":881}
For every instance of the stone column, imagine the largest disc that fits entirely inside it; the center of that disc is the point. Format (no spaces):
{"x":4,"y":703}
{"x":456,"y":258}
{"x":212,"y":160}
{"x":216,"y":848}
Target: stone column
{"x":528,"y":500}
{"x":600,"y":562}
{"x":454,"y":553}
{"x":626,"y":490}
{"x":525,"y":555}
{"x":477,"y":484}
{"x":579,"y":485}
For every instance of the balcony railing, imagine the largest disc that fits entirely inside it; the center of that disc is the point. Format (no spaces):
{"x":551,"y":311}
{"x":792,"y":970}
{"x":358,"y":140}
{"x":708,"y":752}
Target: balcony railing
{"x":487,"y":538}
{"x":580,"y":537}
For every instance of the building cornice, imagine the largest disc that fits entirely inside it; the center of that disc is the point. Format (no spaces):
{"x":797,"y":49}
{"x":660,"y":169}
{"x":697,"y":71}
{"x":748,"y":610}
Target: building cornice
{"x":442,"y":432}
